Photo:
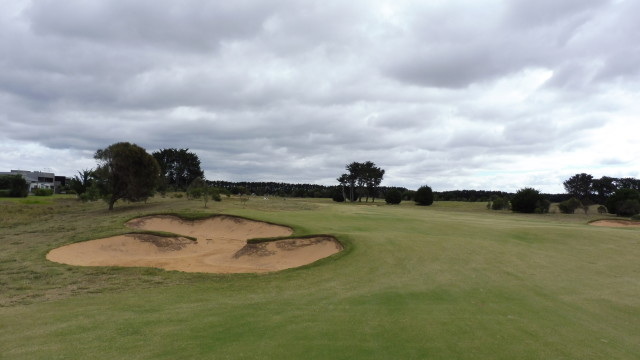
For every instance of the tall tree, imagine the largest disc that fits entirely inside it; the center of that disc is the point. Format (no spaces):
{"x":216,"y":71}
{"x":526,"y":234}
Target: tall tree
{"x":603,"y":188}
{"x":125,"y":171}
{"x":372,"y":178}
{"x":354,"y":179}
{"x":363,"y":179}
{"x":344,"y":181}
{"x":178,"y":168}
{"x":580,"y":186}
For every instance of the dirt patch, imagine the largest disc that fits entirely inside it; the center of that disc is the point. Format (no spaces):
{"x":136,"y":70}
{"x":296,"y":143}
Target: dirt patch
{"x":221,"y":246}
{"x":616,"y":223}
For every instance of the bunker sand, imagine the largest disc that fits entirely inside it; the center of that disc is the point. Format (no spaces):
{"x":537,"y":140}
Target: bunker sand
{"x":221,"y":247}
{"x":616,"y":223}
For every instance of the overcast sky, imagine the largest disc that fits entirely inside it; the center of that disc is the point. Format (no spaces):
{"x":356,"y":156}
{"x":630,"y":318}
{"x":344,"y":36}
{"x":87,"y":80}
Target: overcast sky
{"x":493,"y":95}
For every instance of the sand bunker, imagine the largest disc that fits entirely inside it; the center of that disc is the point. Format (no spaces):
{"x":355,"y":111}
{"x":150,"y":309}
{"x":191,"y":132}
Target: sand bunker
{"x":616,"y":223}
{"x":221,"y":247}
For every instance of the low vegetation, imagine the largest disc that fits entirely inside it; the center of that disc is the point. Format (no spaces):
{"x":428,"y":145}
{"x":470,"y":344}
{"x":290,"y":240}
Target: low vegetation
{"x":449,"y":281}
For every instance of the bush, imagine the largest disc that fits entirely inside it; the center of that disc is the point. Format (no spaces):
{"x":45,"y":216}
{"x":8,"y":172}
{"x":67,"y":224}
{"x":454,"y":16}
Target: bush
{"x":529,"y":200}
{"x":621,"y":202}
{"x":569,"y":206}
{"x":14,"y":186}
{"x":499,"y":204}
{"x":602,"y":209}
{"x":92,"y":193}
{"x":42,"y":192}
{"x":337,"y":196}
{"x":393,"y":197}
{"x":215,"y":195}
{"x":635,"y":217}
{"x":424,"y":196}
{"x":628,"y":208}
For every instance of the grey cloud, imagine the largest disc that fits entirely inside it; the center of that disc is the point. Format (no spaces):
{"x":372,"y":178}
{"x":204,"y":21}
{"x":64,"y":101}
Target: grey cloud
{"x":197,"y":25}
{"x":547,"y":12}
{"x":435,"y":92}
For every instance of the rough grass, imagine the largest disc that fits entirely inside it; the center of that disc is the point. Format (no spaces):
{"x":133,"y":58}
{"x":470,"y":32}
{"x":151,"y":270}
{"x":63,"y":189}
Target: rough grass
{"x":450,"y":281}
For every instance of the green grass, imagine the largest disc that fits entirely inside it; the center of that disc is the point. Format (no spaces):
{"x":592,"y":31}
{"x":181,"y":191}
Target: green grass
{"x":450,"y":281}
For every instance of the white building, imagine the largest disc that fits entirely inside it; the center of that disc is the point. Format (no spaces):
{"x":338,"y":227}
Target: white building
{"x":35,"y":179}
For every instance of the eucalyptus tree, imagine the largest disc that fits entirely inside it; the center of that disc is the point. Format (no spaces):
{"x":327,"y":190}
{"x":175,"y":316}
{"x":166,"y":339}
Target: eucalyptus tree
{"x":125,"y":171}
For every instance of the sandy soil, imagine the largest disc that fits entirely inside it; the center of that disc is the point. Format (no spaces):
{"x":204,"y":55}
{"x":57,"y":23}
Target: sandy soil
{"x":221,"y":247}
{"x":616,"y":223}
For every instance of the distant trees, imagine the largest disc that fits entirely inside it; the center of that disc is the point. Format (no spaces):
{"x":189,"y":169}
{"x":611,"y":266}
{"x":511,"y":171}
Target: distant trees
{"x":529,"y":200}
{"x":13,"y":186}
{"x":624,"y":202}
{"x":178,"y":168}
{"x":423,"y":196}
{"x":125,"y":171}
{"x":470,"y":195}
{"x":589,"y":190}
{"x":361,"y":180}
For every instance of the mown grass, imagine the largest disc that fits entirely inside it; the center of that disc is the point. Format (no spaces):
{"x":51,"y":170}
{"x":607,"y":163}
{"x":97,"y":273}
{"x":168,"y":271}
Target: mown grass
{"x":450,"y":281}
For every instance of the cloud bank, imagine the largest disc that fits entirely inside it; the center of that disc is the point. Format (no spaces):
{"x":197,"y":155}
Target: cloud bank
{"x":493,"y":95}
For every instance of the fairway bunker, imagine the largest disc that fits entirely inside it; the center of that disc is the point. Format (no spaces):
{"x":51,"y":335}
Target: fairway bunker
{"x":616,"y":223}
{"x":220,"y":246}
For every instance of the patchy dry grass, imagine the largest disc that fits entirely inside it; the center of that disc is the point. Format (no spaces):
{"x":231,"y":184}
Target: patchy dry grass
{"x":451,"y":281}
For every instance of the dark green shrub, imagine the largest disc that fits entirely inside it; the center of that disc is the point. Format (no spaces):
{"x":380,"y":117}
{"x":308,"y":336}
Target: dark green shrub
{"x":628,"y":208}
{"x":602,"y":209}
{"x":92,"y":193}
{"x":42,"y":192}
{"x":529,"y":200}
{"x":499,"y":204}
{"x":338,"y":197}
{"x":635,"y":217}
{"x":423,"y":196}
{"x":542,"y":206}
{"x":408,"y":195}
{"x":393,"y":197}
{"x":215,"y":195}
{"x":569,"y":206}
{"x":14,"y":185}
{"x":618,"y":202}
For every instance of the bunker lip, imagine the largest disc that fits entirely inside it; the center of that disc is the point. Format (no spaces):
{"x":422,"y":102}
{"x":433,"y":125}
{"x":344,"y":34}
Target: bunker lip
{"x":616,"y":223}
{"x":221,"y":246}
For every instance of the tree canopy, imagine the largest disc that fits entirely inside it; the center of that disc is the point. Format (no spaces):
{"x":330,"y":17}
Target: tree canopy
{"x":362,"y":180}
{"x":125,"y":171}
{"x":624,"y":202}
{"x":178,"y":168}
{"x":588,"y":190}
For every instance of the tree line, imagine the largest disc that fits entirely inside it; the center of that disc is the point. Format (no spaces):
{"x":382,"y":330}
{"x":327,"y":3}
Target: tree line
{"x":126,"y":171}
{"x":620,"y":196}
